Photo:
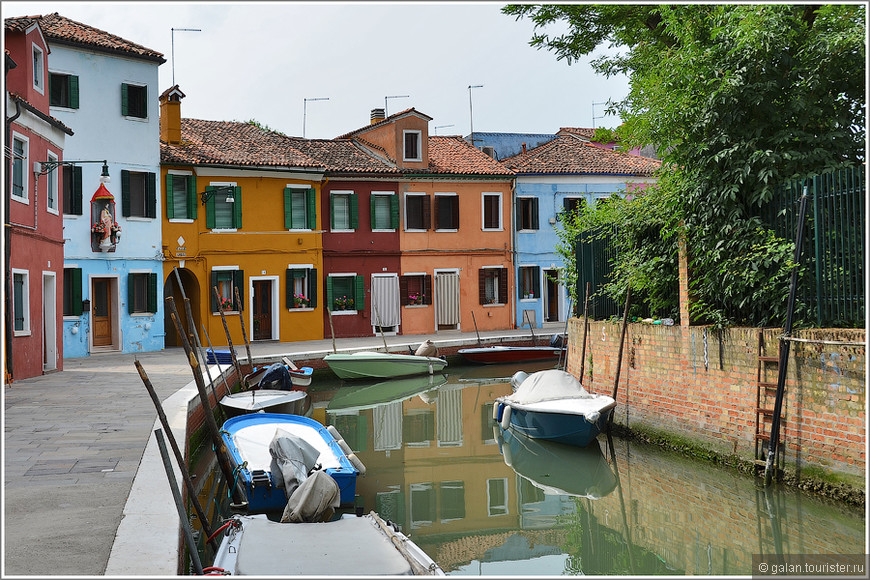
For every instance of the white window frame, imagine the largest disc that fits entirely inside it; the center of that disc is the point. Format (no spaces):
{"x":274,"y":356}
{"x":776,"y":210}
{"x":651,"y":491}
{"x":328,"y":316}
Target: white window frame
{"x":141,"y":272}
{"x":38,"y":63}
{"x":216,"y":228}
{"x":305,"y":283}
{"x":25,"y":302}
{"x":419,"y":135}
{"x":139,"y":84}
{"x":499,"y":300}
{"x":275,"y":306}
{"x":51,"y":186}
{"x":409,"y":194}
{"x":345,"y":193}
{"x":342,"y":312}
{"x":386,"y":194}
{"x":304,"y":190}
{"x":489,"y":506}
{"x":483,"y":197}
{"x":520,"y":295}
{"x":223,"y":269}
{"x":520,"y":199}
{"x":185,"y":174}
{"x":25,"y":169}
{"x":434,"y":210}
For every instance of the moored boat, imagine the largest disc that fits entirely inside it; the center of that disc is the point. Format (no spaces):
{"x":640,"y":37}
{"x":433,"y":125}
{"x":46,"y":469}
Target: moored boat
{"x":510,"y":354}
{"x":266,"y":400}
{"x":281,"y":376}
{"x":348,"y":546}
{"x":382,"y":365}
{"x":553,"y":405}
{"x":252,"y":440}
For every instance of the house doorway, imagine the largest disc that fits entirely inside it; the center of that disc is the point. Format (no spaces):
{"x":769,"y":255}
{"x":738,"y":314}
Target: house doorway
{"x":49,"y":321}
{"x":263,"y":308}
{"x":447,"y":300}
{"x":551,"y":306}
{"x":104,"y":305}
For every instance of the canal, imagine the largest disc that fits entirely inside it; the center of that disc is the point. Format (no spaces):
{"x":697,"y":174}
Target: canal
{"x":482,"y":501}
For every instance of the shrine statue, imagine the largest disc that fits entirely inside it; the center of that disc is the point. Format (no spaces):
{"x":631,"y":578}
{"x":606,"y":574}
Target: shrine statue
{"x":106,"y":218}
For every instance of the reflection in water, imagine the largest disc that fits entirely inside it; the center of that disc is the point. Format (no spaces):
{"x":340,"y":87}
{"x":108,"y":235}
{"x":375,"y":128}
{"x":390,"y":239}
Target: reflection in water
{"x":482,"y":501}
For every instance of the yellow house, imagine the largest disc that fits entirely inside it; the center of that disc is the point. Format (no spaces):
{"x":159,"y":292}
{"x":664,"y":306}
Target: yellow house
{"x":241,"y":216}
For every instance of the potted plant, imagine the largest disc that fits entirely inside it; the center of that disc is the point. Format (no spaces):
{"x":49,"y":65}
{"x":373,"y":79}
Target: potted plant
{"x":416,"y":297}
{"x":226,"y":304}
{"x":300,"y":301}
{"x":343,"y":303}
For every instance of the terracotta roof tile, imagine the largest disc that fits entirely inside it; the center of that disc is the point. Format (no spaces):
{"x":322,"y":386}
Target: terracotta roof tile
{"x":341,"y":156}
{"x":453,"y":154}
{"x":233,"y":143}
{"x":42,"y":115}
{"x":62,"y":29}
{"x":583,"y":132}
{"x":565,"y":154}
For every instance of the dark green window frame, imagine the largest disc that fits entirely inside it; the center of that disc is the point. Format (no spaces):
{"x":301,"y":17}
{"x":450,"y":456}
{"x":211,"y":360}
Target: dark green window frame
{"x":142,"y":293}
{"x":353,"y":209}
{"x":311,"y":285}
{"x":310,"y":208}
{"x":221,"y":198}
{"x":63,"y":90}
{"x":236,"y":279}
{"x":72,"y":291}
{"x":150,"y":194}
{"x":394,"y":210}
{"x":359,"y":295}
{"x":134,"y":100}
{"x":189,"y":193}
{"x":72,"y":189}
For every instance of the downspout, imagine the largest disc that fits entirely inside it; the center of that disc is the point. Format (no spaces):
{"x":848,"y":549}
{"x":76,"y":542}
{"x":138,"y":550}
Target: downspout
{"x":7,"y":236}
{"x":514,"y":249}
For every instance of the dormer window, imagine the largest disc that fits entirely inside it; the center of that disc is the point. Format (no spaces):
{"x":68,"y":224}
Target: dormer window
{"x":38,"y":72}
{"x":413,"y":148}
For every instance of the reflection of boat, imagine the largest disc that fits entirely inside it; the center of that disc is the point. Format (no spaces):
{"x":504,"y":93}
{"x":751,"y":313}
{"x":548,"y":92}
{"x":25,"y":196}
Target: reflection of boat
{"x":509,"y":354}
{"x":553,"y":405}
{"x":382,"y":365}
{"x":357,"y":398}
{"x":555,"y":468}
{"x":493,"y":373}
{"x":268,"y":400}
{"x":250,"y":439}
{"x":349,"y":546}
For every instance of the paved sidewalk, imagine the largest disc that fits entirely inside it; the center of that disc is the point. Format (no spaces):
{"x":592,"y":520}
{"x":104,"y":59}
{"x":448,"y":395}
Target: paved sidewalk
{"x":74,"y":440}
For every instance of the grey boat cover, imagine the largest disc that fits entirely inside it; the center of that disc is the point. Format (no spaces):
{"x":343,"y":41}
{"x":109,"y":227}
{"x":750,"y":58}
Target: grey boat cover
{"x":314,"y":501}
{"x":276,"y":377}
{"x":293,"y":458}
{"x":548,"y":385}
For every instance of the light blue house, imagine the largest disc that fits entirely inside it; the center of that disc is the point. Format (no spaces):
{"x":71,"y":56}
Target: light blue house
{"x":559,"y":175}
{"x":105,"y":88}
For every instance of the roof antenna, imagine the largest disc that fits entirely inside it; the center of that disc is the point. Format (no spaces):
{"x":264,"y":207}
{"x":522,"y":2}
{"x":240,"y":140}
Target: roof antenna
{"x":173,"y":47}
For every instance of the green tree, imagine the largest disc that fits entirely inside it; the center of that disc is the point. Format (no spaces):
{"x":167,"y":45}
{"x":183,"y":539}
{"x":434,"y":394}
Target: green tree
{"x":738,"y":99}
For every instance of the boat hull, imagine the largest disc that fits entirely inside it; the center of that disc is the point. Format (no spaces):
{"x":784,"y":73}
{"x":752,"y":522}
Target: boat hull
{"x":373,"y":365}
{"x":567,"y":428}
{"x":509,"y":354}
{"x":247,"y":438}
{"x":266,"y":400}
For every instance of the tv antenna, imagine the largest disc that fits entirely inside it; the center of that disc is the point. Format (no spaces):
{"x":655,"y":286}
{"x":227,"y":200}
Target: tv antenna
{"x":173,"y":47}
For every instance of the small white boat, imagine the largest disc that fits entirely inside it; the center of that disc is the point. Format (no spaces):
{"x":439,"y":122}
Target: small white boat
{"x":382,"y":365}
{"x":266,"y":400}
{"x":349,"y":546}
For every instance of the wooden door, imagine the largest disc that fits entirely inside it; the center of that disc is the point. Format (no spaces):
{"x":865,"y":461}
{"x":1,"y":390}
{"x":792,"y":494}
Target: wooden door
{"x":262,"y":305}
{"x":101,"y":312}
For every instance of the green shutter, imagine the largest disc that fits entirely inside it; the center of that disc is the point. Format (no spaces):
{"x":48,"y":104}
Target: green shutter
{"x":311,"y":200}
{"x":73,"y":92}
{"x":536,"y":282}
{"x":288,"y":208}
{"x":170,"y":199}
{"x":152,"y":292}
{"x":312,"y":287}
{"x":354,"y":211}
{"x":359,"y":298}
{"x":151,"y":195}
{"x":329,"y":298}
{"x":77,"y":190}
{"x":209,"y":212}
{"x":237,"y":208}
{"x":130,"y":292}
{"x":124,"y":99}
{"x":239,"y":283}
{"x":192,"y":198}
{"x":76,"y":291}
{"x":289,"y":275}
{"x":394,"y":212}
{"x":331,"y":211}
{"x":125,"y":193}
{"x":214,"y":282}
{"x":371,"y":212}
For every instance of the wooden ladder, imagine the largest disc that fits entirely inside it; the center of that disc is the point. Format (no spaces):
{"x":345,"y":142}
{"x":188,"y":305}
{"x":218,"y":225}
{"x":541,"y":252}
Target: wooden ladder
{"x":765,"y":398}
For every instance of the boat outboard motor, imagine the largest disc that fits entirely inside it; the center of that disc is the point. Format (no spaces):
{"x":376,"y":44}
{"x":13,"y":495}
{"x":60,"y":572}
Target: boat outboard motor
{"x":276,"y":377}
{"x":557,"y":341}
{"x":518,"y":379}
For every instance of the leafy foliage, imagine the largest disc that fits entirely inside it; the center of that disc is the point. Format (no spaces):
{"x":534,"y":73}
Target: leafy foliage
{"x":737,"y":99}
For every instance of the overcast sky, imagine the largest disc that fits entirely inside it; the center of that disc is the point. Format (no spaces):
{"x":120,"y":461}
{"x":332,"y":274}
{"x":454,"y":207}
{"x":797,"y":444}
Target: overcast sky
{"x":262,"y":60}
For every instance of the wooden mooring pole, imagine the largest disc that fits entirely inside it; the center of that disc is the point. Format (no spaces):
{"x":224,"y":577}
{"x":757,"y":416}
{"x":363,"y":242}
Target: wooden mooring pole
{"x":621,"y":345}
{"x":585,"y":330}
{"x":235,"y":360}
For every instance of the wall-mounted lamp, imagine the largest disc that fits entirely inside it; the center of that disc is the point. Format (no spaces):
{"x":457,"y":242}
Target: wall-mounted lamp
{"x":210,"y":192}
{"x":86,"y":305}
{"x":43,"y":167}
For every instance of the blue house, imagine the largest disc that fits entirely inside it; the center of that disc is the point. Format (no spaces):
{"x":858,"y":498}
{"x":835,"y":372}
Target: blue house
{"x":561,"y":174}
{"x":105,"y":88}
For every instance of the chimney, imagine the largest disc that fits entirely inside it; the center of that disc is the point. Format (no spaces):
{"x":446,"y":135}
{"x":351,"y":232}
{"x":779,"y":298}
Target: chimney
{"x":524,"y":147}
{"x":378,"y":115}
{"x":170,"y":115}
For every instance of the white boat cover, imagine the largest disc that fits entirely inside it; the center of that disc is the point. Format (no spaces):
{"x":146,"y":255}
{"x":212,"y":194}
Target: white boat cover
{"x":293,"y":458}
{"x":548,"y":385}
{"x":314,"y":501}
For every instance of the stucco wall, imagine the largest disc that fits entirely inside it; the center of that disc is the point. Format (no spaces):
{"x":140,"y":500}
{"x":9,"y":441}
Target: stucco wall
{"x":701,"y":384}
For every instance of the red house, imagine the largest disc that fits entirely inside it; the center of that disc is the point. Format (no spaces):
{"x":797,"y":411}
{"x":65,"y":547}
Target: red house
{"x":34,"y":259}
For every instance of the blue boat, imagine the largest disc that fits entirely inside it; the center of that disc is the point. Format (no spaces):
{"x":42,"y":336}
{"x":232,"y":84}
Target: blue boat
{"x":553,"y":405}
{"x":249,"y":437}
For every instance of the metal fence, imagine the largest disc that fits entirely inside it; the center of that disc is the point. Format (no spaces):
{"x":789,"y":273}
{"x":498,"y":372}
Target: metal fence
{"x":595,"y":265}
{"x":833,"y":281}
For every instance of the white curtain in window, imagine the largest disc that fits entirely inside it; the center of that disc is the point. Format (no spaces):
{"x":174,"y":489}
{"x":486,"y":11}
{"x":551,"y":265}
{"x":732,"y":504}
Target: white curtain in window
{"x":447,"y":295}
{"x":385,"y":301}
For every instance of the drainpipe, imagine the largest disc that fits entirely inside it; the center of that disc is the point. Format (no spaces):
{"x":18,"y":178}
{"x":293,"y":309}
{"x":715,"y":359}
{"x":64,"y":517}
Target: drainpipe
{"x":7,"y":234}
{"x":514,"y":250}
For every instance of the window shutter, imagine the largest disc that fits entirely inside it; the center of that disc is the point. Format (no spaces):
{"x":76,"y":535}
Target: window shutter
{"x":192,"y":201}
{"x":152,"y":292}
{"x":288,"y":293}
{"x":170,"y":198}
{"x":481,"y":286}
{"x":239,"y":283}
{"x":214,"y":282}
{"x":125,"y":193}
{"x":536,"y":281}
{"x":534,"y":213}
{"x":311,"y":199}
{"x":455,"y":211}
{"x":354,"y":211}
{"x":131,"y":294}
{"x":427,"y":289}
{"x":124,"y":99}
{"x":312,"y":287}
{"x":209,"y":212}
{"x":151,"y":195}
{"x":75,"y":291}
{"x":359,"y":298}
{"x":403,"y":290}
{"x":331,"y":210}
{"x":503,"y":286}
{"x":329,"y":299}
{"x":436,"y":217}
{"x":73,"y":92}
{"x":372,"y":211}
{"x":518,"y":214}
{"x":427,"y":213}
{"x":77,"y":191}
{"x":394,"y":212}
{"x":288,"y":208}
{"x":237,"y":208}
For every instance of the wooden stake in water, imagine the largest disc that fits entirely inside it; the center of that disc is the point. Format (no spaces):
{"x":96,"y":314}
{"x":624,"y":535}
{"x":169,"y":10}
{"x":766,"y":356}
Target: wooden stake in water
{"x":621,"y":346}
{"x":585,"y":330}
{"x":235,"y":360}
{"x":242,"y":321}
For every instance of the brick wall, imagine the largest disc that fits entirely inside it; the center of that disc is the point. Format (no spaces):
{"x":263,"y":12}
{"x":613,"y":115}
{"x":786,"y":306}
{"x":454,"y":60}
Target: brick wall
{"x":701,"y":384}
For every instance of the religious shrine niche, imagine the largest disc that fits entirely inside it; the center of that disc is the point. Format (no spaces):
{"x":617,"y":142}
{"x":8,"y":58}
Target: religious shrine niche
{"x":105,"y":231}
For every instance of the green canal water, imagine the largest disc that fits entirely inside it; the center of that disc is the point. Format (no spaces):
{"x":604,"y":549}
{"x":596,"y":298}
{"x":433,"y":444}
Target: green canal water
{"x":484,"y":502}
